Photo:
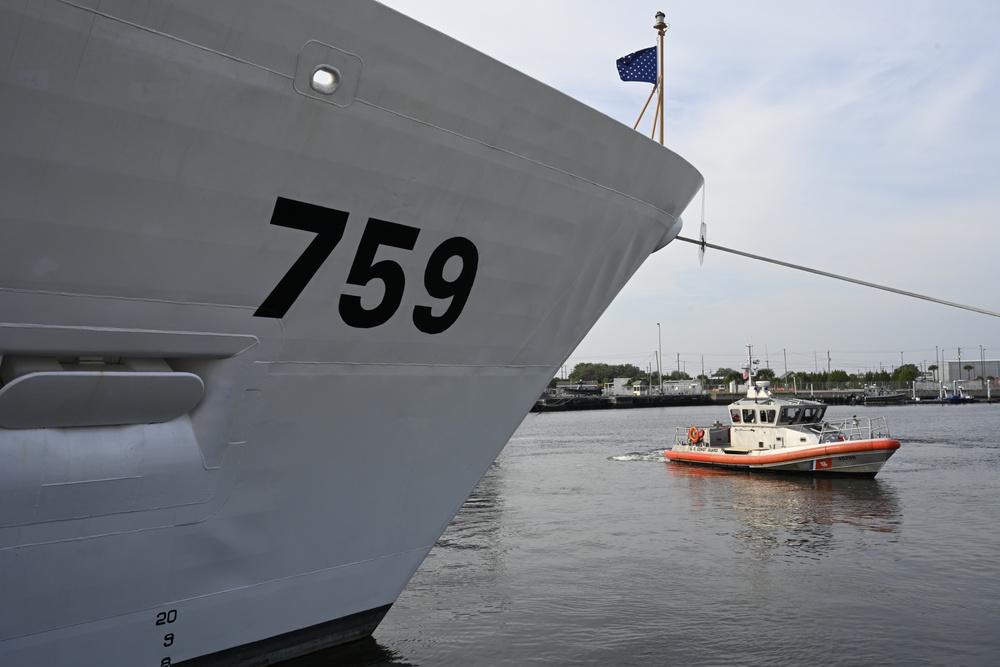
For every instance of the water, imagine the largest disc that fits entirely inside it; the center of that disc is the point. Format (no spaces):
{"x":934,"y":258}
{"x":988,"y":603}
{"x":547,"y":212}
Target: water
{"x":581,"y":546}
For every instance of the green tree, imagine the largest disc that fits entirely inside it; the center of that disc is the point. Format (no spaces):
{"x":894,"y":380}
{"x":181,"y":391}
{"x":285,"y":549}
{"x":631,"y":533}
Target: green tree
{"x":765,"y":374}
{"x":878,"y":376}
{"x":906,"y":373}
{"x":933,"y":369}
{"x":968,"y":371}
{"x":601,"y":373}
{"x":839,"y":376}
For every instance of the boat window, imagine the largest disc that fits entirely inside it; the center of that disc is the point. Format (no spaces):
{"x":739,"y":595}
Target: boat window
{"x":749,"y":416}
{"x":810,"y":415}
{"x":767,"y":416}
{"x":735,"y":414}
{"x":788,"y":415}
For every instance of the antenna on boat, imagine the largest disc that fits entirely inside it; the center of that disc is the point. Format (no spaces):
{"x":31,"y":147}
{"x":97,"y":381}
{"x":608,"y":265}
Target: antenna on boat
{"x":751,"y":362}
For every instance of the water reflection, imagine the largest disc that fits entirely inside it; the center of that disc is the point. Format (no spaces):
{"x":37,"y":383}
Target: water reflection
{"x":791,"y":515}
{"x":477,"y":525}
{"x":362,"y":653}
{"x":468,"y":559}
{"x":582,"y":547}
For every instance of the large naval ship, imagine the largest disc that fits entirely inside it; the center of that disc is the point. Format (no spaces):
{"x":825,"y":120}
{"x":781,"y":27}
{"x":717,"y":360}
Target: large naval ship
{"x":278,"y":280}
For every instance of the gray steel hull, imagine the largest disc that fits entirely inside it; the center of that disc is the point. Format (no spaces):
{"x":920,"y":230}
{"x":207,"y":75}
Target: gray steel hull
{"x":144,"y":151}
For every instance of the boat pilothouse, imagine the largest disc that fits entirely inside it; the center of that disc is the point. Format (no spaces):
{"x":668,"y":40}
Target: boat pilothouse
{"x":778,"y":434}
{"x":761,"y":421}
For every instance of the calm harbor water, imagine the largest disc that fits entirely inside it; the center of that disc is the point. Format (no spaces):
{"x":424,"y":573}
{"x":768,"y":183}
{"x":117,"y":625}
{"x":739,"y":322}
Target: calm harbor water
{"x":581,"y":546}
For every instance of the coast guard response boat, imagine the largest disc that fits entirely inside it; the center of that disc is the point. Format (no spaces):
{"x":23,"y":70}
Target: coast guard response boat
{"x":767,"y":433}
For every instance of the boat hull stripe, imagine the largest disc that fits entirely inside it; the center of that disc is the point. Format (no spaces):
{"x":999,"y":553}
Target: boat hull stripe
{"x":793,"y":454}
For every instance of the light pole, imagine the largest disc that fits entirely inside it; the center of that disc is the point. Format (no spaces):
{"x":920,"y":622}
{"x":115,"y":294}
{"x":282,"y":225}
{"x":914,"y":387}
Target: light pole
{"x":659,"y":355}
{"x":982,"y":371}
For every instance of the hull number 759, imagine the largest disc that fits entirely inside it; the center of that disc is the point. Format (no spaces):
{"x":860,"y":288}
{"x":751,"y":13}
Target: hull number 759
{"x":328,"y":224}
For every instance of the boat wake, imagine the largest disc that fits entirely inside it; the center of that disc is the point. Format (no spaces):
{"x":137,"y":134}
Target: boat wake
{"x":656,"y":456}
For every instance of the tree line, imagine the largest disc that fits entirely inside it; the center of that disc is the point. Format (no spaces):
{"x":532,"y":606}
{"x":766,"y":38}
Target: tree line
{"x":590,"y":373}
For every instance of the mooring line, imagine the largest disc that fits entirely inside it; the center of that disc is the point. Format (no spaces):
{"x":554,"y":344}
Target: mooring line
{"x":835,"y":276}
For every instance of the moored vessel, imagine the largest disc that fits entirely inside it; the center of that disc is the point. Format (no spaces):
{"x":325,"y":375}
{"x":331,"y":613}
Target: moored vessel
{"x":955,"y":396}
{"x":277,"y":284}
{"x":881,"y":396}
{"x":766,"y":433}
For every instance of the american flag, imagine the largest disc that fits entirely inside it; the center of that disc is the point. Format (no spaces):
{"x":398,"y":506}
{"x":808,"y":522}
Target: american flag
{"x":638,"y":66}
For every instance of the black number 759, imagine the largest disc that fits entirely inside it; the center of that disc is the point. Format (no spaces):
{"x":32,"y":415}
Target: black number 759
{"x":328,"y":224}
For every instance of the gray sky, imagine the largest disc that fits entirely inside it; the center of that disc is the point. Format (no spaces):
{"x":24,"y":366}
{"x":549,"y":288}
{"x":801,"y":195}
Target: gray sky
{"x":857,"y":138}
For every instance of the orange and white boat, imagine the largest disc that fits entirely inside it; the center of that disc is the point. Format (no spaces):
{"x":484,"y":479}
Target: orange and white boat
{"x":789,"y":435}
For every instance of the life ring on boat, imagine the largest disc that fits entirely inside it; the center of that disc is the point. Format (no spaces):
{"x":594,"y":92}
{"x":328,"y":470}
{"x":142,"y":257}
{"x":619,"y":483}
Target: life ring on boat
{"x":695,"y":434}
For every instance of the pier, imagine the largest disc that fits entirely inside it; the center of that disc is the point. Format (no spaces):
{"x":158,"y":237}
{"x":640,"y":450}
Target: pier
{"x":562,"y":402}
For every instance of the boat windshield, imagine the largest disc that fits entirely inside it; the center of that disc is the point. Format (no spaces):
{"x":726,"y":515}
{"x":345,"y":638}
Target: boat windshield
{"x":752,"y":416}
{"x":799,"y":415}
{"x":812,"y":415}
{"x":789,"y":415}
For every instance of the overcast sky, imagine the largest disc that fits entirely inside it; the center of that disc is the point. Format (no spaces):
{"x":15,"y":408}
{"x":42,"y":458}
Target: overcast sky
{"x":858,"y":138}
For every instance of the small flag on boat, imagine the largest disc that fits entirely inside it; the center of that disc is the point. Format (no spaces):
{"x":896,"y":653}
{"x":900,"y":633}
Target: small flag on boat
{"x":638,"y":66}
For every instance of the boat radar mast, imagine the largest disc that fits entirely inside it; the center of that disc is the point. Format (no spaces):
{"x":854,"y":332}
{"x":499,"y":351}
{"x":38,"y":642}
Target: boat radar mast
{"x":753,"y":389}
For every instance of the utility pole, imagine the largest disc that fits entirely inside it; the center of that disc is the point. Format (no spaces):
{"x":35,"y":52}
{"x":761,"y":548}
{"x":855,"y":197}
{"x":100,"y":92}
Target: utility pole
{"x":985,"y":377}
{"x":941,"y":377}
{"x":659,"y":356}
{"x":659,"y":374}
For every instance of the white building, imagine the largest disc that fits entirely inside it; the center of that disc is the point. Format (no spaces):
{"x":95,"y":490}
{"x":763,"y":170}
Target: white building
{"x":951,"y":370}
